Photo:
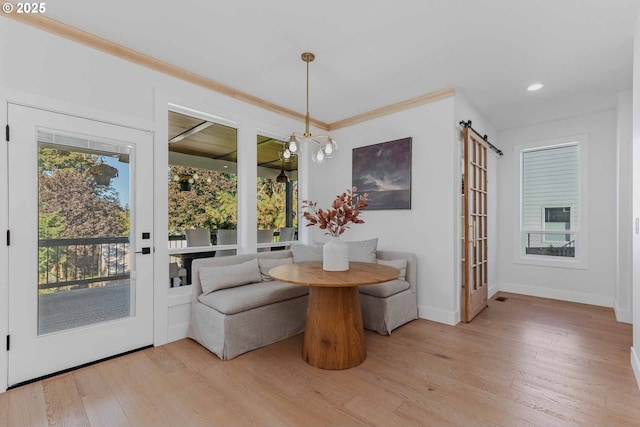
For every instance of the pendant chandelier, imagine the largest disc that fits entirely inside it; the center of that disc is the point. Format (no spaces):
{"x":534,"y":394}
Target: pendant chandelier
{"x":323,"y":146}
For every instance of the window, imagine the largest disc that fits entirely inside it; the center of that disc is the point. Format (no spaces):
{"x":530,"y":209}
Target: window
{"x":201,"y":177}
{"x":552,"y":190}
{"x":277,"y":194}
{"x":202,"y":192}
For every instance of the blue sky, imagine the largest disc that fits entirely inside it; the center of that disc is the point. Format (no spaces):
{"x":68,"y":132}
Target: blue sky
{"x":122,"y":182}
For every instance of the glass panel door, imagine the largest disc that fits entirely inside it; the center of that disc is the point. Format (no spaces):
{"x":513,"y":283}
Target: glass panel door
{"x":475,"y":290}
{"x":81,"y":252}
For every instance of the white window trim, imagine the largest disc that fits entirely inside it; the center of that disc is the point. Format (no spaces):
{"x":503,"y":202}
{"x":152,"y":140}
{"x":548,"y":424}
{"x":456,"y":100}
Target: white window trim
{"x":581,"y":259}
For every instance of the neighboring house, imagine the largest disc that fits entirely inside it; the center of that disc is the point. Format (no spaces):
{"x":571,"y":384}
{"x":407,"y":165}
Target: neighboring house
{"x":550,"y":199}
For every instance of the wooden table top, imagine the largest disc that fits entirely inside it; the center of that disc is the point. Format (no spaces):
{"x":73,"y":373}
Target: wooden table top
{"x":312,"y":274}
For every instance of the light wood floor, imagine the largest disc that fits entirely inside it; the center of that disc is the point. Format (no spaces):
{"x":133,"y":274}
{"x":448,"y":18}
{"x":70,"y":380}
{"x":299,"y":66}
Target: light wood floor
{"x":526,"y":361}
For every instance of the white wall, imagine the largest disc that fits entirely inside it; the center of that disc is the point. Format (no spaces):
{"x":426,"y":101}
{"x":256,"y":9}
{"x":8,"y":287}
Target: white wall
{"x":465,"y":111}
{"x":624,"y":215}
{"x":72,"y":78}
{"x":429,"y":228}
{"x":596,"y":284}
{"x":635,"y":350}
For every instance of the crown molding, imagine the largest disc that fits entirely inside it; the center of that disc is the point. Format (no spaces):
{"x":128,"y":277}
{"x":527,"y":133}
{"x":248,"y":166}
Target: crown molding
{"x":79,"y":36}
{"x":85,"y":38}
{"x":394,"y":108}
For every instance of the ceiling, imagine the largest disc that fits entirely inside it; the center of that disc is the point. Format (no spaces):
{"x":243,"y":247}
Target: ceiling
{"x":372,"y":53}
{"x":196,"y":137}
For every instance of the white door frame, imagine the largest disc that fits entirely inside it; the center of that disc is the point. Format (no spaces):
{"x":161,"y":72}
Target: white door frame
{"x":56,"y":106}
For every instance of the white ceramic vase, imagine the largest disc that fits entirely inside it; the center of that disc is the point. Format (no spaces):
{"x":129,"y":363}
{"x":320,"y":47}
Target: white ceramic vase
{"x":335,"y":255}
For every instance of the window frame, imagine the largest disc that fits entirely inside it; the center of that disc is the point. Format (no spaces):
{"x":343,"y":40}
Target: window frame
{"x":580,"y":261}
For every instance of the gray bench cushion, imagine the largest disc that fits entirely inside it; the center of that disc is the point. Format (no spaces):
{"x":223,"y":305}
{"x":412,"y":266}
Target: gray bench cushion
{"x":242,"y":298}
{"x":228,"y":276}
{"x":306,"y":253}
{"x":363,"y":250}
{"x":383,"y":290}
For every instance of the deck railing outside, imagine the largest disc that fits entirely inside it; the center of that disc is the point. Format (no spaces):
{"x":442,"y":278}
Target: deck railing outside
{"x":82,"y":262}
{"x":550,"y":243}
{"x":180,"y":240}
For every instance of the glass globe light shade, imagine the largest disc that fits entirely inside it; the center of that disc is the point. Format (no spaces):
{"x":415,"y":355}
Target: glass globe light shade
{"x":318,"y":156}
{"x":208,"y":180}
{"x":300,"y":148}
{"x":286,"y":154}
{"x":191,"y":180}
{"x":330,"y":148}
{"x":176,"y":177}
{"x":294,"y":145}
{"x":195,"y":176}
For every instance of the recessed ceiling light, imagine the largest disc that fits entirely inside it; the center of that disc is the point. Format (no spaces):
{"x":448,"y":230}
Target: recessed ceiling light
{"x":535,"y":86}
{"x":225,"y":166}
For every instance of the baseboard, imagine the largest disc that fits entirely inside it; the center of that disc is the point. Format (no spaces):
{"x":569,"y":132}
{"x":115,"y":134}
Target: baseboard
{"x":558,"y":294}
{"x":622,"y":315}
{"x":635,"y":364}
{"x":438,"y":315}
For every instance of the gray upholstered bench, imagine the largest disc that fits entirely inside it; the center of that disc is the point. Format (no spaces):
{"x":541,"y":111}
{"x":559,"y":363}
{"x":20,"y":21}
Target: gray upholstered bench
{"x":238,"y":319}
{"x":229,"y":318}
{"x":389,"y":305}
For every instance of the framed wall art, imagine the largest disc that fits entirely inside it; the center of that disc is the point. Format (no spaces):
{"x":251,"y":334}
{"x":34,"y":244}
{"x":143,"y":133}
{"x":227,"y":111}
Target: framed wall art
{"x":384,"y":171}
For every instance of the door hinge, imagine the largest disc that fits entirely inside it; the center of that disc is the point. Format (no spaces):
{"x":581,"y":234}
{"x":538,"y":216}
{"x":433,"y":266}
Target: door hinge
{"x":8,"y":237}
{"x":7,"y":133}
{"x":8,"y":342}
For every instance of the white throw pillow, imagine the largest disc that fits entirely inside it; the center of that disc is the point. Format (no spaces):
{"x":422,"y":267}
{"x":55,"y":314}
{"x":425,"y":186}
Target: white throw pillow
{"x":400,"y":264}
{"x":305,"y":253}
{"x":363,"y":250}
{"x":229,"y":276}
{"x":267,"y":264}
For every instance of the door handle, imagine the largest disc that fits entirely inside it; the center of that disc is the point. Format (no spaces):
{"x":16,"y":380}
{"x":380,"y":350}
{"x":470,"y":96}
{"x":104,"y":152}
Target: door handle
{"x":144,"y":251}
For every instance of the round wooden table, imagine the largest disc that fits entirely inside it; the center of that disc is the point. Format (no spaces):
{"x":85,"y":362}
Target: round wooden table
{"x":334,"y":335}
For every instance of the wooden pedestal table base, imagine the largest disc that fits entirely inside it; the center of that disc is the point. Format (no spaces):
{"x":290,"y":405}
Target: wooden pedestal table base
{"x":334,"y":335}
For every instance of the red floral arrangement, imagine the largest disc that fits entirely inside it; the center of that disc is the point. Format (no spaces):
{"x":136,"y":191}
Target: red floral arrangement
{"x":345,"y":209}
